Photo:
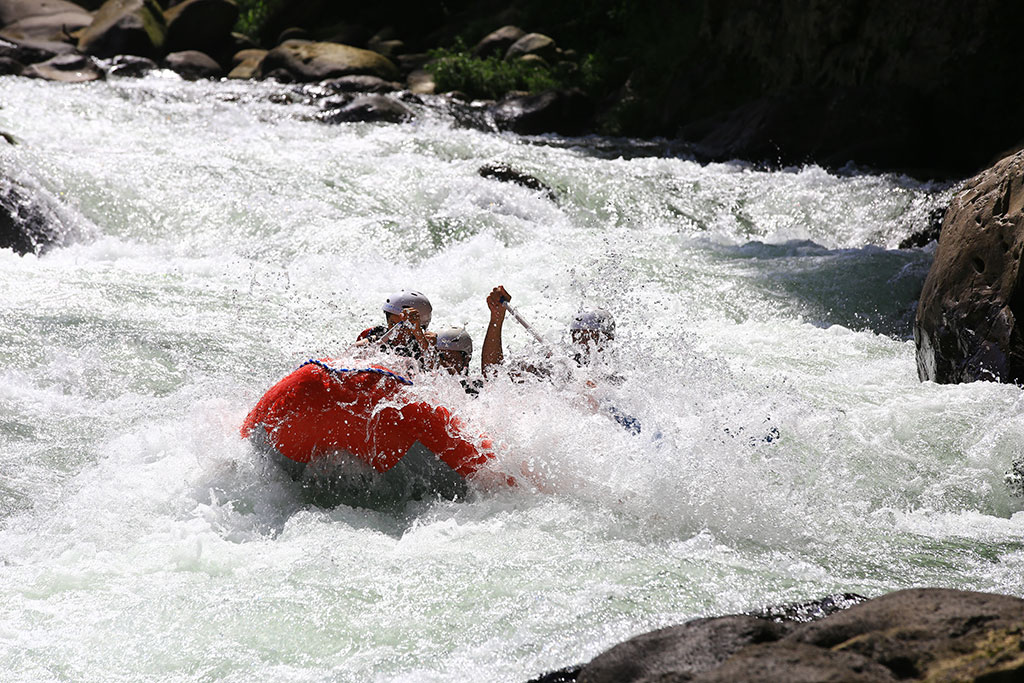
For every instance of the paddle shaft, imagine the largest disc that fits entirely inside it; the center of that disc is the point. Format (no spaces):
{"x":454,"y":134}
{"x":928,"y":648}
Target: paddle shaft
{"x":522,"y":321}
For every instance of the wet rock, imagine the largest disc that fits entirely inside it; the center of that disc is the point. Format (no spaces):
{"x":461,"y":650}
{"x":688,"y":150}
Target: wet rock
{"x":967,"y":326}
{"x":410,"y":62}
{"x":50,"y":20}
{"x":125,"y":27}
{"x":246,"y":63}
{"x":567,"y":112}
{"x":130,"y":66}
{"x":421,"y":82}
{"x":368,"y":108}
{"x":30,"y":52}
{"x":533,"y":44}
{"x":203,"y":25}
{"x":70,"y":68}
{"x":566,"y":675}
{"x":811,"y":610}
{"x":294,"y":33}
{"x":681,"y":651}
{"x":370,"y":84}
{"x":496,"y":43}
{"x":193,"y":65}
{"x":23,"y":223}
{"x":507,"y":174}
{"x":796,"y":663}
{"x":10,"y":67}
{"x":918,"y":634}
{"x":308,"y":62}
{"x":240,"y":41}
{"x":928,"y":234}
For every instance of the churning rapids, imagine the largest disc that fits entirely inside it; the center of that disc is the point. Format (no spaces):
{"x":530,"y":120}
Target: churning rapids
{"x":218,"y":237}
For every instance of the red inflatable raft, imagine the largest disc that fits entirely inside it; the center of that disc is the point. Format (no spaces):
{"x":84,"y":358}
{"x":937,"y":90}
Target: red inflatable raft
{"x":320,"y":410}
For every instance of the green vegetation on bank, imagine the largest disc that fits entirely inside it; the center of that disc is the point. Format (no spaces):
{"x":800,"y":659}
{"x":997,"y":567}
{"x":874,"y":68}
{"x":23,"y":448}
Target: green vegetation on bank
{"x":491,"y":77}
{"x":253,"y":15}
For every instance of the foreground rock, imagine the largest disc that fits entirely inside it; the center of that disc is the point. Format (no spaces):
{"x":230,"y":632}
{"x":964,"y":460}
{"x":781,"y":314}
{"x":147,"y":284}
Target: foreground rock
{"x":24,"y":226}
{"x":306,"y":62}
{"x":920,"y":634}
{"x":968,"y":322}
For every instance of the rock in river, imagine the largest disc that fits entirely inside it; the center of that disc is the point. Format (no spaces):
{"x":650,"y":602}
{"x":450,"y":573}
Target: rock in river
{"x":968,"y":322}
{"x":307,"y":62}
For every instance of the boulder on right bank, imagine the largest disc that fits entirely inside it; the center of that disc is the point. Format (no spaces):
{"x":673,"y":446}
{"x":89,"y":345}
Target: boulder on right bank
{"x":921,"y":634}
{"x":969,"y":319}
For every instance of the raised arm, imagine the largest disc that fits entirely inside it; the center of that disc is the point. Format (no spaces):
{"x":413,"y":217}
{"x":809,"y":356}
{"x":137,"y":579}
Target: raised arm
{"x":491,"y":355}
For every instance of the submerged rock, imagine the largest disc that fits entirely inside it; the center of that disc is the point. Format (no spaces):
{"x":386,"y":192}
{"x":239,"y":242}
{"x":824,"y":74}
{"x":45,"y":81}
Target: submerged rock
{"x":967,"y":326}
{"x":507,"y":174}
{"x":368,"y":108}
{"x":372,"y":84}
{"x":130,"y":66}
{"x":917,"y":634}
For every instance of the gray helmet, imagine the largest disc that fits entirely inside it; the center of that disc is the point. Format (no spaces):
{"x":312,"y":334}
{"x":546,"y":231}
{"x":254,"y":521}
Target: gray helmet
{"x":455,"y":339}
{"x":396,"y":302}
{"x":596,"y":319}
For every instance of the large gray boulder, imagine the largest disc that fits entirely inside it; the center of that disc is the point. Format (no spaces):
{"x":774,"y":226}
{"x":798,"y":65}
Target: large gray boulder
{"x":125,"y":27}
{"x":311,"y":61}
{"x":968,"y":322}
{"x":203,"y":25}
{"x":929,"y":634}
{"x":41,"y":20}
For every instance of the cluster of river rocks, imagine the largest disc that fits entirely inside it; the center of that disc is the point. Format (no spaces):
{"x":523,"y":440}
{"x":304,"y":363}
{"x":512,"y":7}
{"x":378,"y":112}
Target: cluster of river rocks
{"x":59,"y":40}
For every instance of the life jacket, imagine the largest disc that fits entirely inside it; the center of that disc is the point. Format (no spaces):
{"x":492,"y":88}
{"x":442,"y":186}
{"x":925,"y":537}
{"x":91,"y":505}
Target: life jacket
{"x":319,"y":409}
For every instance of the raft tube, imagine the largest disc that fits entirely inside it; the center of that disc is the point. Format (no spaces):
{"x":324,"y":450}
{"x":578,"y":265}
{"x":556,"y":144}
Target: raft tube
{"x":320,"y":410}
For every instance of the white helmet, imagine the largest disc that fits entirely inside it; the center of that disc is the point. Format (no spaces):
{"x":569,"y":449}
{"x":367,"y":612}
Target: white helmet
{"x":455,"y":339}
{"x":396,"y":302}
{"x":596,"y":319}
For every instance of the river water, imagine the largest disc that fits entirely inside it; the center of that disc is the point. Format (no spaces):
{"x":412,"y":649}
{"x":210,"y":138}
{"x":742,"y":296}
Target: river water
{"x":218,"y":237}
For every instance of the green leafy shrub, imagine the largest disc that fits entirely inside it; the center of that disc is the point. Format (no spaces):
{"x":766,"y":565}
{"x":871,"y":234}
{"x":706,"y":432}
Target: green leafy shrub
{"x":253,"y":15}
{"x":490,"y":78}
